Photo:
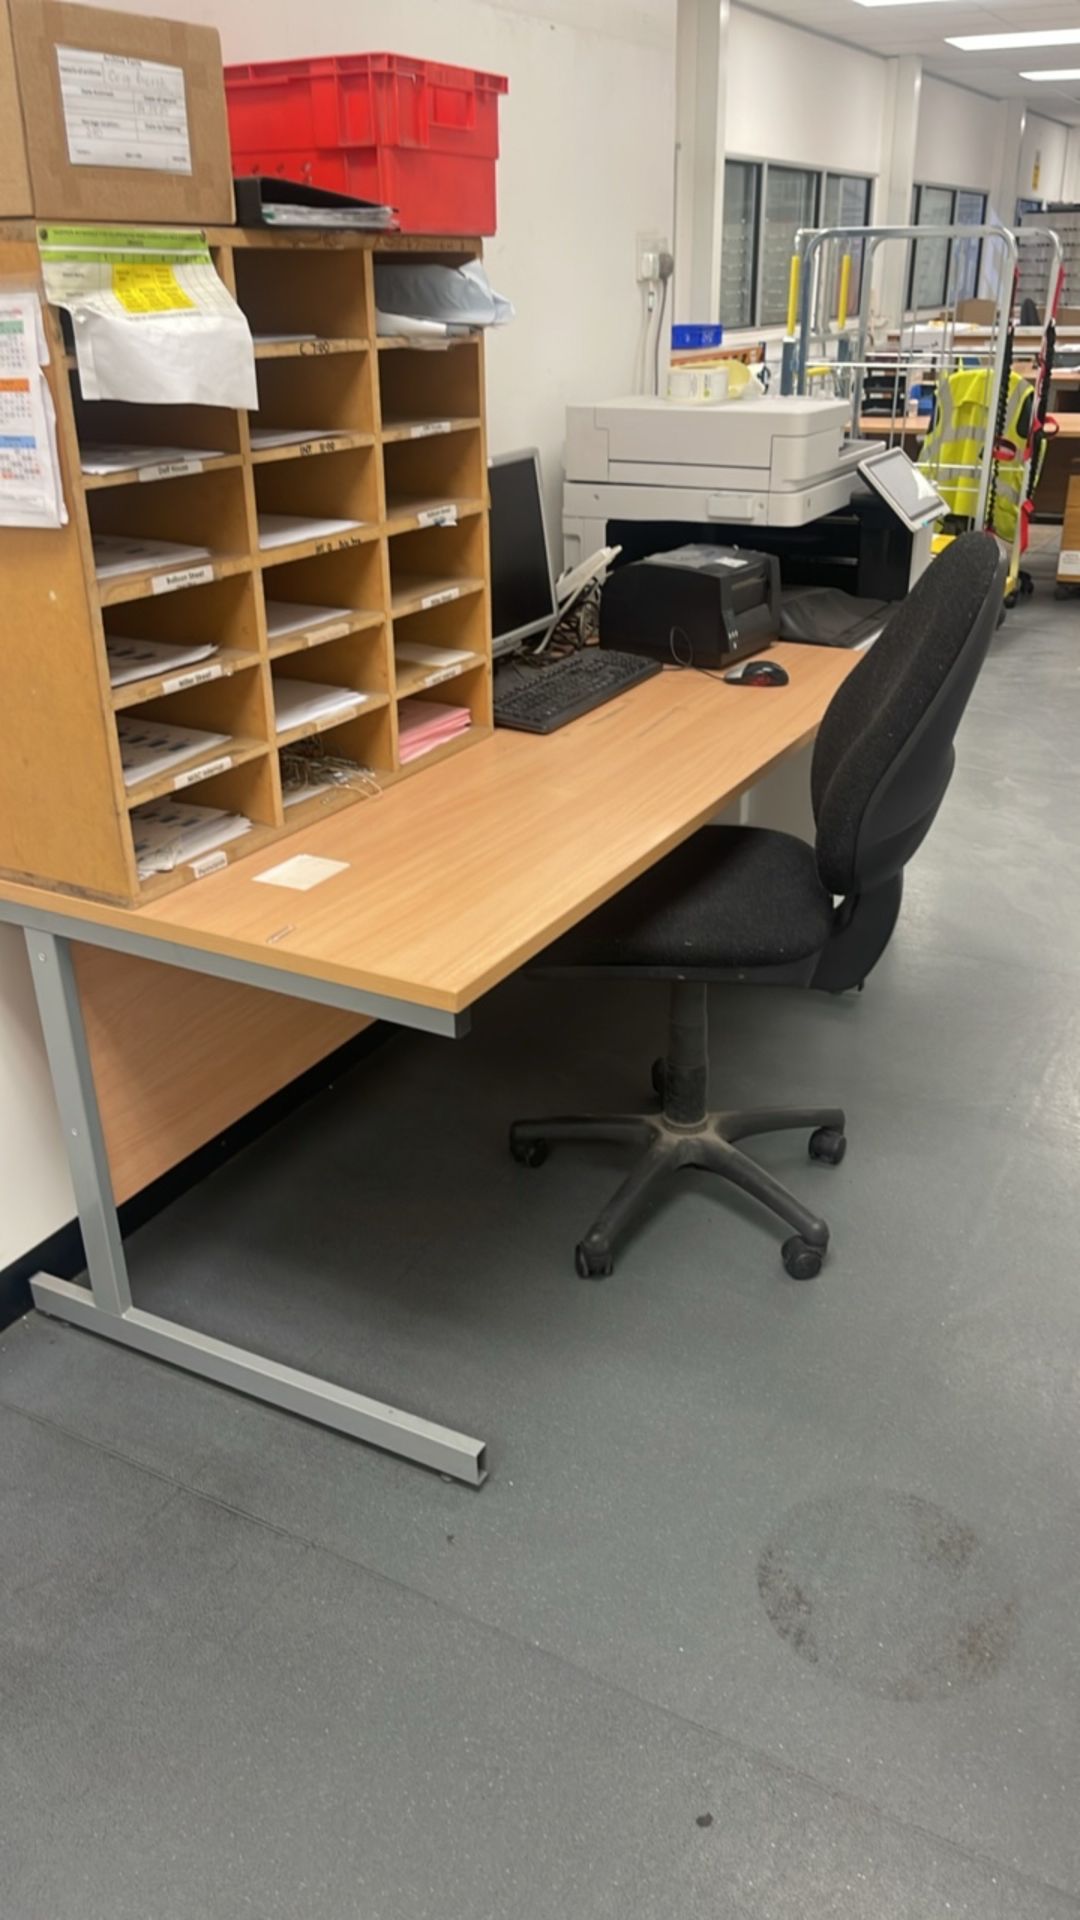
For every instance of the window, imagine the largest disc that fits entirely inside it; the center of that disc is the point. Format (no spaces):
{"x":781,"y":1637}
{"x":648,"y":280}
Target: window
{"x":967,"y":254}
{"x":738,"y":266}
{"x":846,"y":203}
{"x":764,"y":207}
{"x":944,"y":271}
{"x":791,"y":197}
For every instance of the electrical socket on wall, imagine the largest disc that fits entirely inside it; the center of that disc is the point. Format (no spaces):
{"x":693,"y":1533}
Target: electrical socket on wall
{"x":649,"y":248}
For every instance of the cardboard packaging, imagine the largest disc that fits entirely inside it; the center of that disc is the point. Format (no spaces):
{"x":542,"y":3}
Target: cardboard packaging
{"x":1069,"y":559}
{"x":111,"y":117}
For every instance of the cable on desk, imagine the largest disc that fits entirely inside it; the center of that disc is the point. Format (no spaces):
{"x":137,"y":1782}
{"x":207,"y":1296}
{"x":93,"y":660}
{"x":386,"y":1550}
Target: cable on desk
{"x":689,"y":664}
{"x":307,"y":766}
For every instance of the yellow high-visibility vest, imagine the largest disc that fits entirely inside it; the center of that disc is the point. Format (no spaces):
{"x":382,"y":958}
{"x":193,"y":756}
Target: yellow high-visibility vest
{"x":953,"y":450}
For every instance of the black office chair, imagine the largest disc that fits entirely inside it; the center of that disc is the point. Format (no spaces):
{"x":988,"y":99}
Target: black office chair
{"x":746,"y":904}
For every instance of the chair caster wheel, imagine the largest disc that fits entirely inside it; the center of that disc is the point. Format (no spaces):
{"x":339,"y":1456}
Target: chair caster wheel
{"x":658,"y":1078}
{"x":801,"y":1261}
{"x":593,"y":1263}
{"x":529,"y":1153}
{"x":828,"y":1145}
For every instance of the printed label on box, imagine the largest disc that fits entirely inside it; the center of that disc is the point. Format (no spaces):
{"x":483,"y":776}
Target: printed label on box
{"x":123,"y":113}
{"x":182,"y":577}
{"x":210,"y":863}
{"x":206,"y":772}
{"x":440,"y":599}
{"x":437,"y":517}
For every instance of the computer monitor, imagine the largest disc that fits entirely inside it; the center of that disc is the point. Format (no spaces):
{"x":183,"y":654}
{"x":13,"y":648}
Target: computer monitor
{"x":523,"y":600}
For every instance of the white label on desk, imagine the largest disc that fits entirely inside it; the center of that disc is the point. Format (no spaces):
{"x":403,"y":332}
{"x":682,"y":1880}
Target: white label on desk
{"x":196,"y":678}
{"x":425,"y":428}
{"x":335,"y":631}
{"x":301,"y":873}
{"x":210,"y":863}
{"x":170,"y":469}
{"x":123,"y":113}
{"x":1069,"y":560}
{"x":206,"y":772}
{"x":439,"y":599}
{"x":182,"y":577}
{"x":437,"y":517}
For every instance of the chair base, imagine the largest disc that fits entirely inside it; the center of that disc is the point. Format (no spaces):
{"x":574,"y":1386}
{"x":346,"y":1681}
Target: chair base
{"x":711,"y":1148}
{"x":683,"y":1134}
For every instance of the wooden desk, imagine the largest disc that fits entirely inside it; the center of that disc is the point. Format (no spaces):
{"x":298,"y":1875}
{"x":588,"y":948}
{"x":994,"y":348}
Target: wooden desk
{"x":449,"y":885}
{"x":902,"y":428}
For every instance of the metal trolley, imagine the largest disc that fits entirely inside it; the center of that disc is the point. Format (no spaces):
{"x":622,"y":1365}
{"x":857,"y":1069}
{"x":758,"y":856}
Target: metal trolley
{"x":890,"y":360}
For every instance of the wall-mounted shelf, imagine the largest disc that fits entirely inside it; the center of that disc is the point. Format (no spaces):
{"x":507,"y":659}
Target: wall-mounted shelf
{"x":389,"y":443}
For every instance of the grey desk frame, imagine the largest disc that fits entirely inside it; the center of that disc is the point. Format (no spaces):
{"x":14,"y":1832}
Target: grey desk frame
{"x":105,"y":1307}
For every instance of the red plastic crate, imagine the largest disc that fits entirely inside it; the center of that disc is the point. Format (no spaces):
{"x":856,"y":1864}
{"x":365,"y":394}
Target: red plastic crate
{"x":422,"y":137}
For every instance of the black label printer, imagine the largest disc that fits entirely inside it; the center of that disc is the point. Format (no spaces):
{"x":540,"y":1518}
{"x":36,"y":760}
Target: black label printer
{"x":699,"y":606}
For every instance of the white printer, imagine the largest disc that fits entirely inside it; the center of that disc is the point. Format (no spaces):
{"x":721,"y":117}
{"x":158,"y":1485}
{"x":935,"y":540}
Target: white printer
{"x":771,"y":461}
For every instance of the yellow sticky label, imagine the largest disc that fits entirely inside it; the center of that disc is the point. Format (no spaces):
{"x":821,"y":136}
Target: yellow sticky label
{"x":149,"y":289}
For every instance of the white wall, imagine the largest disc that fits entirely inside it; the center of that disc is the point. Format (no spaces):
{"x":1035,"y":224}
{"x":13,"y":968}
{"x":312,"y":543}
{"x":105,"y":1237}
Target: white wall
{"x":1045,"y":147}
{"x":1070,"y":189}
{"x":797,"y":97}
{"x":957,"y":136}
{"x":587,"y":163}
{"x":587,"y":135}
{"x":35,"y":1192}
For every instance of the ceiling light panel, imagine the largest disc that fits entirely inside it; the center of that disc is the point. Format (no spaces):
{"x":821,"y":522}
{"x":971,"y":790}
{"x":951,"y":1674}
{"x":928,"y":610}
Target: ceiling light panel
{"x":993,"y":42}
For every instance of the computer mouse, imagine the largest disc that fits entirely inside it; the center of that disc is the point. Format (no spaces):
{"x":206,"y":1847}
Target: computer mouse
{"x":758,"y":673}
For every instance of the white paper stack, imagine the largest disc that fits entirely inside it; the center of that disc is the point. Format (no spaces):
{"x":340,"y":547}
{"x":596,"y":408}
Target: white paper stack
{"x":117,"y":553}
{"x":308,"y":703}
{"x":152,"y":747}
{"x":426,"y":724}
{"x":285,"y":529}
{"x":441,"y":663}
{"x":105,"y":459}
{"x":131,"y":660}
{"x":293,"y":616}
{"x":263,"y":438}
{"x":374,"y":219}
{"x":169,"y":833}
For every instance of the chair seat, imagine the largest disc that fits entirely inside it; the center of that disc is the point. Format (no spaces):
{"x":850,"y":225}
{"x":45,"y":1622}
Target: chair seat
{"x":730,"y":897}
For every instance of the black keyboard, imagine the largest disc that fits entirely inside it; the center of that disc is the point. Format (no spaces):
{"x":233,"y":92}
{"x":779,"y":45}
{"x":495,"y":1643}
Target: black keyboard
{"x":544,"y":698}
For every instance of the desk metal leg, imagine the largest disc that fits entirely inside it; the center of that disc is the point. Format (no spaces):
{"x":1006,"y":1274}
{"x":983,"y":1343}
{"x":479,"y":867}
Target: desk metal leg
{"x":105,"y":1307}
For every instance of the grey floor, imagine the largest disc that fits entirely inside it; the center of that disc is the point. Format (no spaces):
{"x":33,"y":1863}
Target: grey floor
{"x":769,"y":1608}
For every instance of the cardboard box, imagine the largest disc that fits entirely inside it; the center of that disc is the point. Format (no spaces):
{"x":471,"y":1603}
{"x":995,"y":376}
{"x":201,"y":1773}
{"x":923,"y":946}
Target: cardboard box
{"x":111,"y":117}
{"x":1069,"y":557}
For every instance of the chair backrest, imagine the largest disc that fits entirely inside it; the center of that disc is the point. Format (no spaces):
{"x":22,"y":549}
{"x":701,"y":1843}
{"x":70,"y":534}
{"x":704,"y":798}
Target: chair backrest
{"x":884,"y":755}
